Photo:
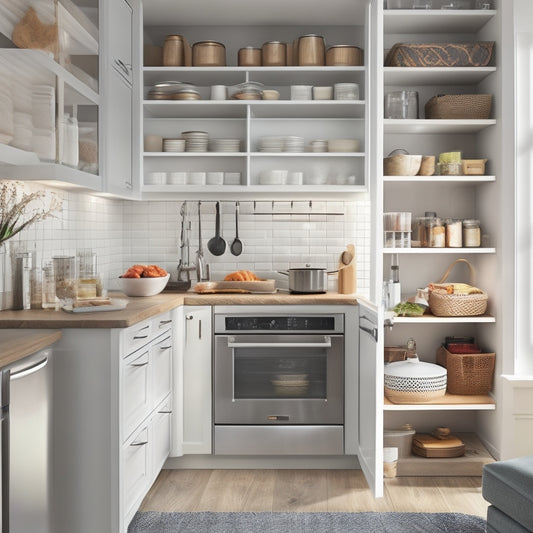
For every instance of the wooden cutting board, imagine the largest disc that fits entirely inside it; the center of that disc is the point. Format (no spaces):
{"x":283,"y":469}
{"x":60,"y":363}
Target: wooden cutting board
{"x":267,"y":286}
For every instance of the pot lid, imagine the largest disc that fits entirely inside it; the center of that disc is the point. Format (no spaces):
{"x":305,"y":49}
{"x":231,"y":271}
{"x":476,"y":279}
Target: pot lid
{"x":414,"y":368}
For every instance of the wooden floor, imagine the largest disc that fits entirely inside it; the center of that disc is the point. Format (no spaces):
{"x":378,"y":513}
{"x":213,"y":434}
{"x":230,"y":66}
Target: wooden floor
{"x":309,"y":490}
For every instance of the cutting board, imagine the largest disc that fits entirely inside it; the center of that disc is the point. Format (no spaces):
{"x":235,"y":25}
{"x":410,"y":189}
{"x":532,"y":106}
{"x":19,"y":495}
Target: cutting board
{"x":267,"y":286}
{"x":347,"y":279}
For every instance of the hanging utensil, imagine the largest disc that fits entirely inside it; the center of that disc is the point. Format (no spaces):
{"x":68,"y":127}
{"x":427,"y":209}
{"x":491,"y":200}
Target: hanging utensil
{"x":217,"y":245}
{"x":202,"y":272}
{"x":236,"y":245}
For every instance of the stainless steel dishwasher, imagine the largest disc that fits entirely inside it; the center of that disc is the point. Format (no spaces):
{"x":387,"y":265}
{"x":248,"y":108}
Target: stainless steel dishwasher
{"x":27,"y":456}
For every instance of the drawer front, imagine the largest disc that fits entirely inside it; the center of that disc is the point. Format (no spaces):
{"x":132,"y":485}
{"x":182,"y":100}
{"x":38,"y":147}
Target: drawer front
{"x":137,"y":336}
{"x":160,"y":437}
{"x":162,"y":323}
{"x":135,"y":397}
{"x":136,"y":470}
{"x":161,"y":368}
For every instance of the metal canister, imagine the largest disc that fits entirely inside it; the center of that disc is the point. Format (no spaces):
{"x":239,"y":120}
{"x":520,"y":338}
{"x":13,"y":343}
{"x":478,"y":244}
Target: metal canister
{"x":311,"y":50}
{"x":208,"y":54}
{"x":344,"y":55}
{"x":173,"y":51}
{"x":274,"y":54}
{"x":249,"y":57}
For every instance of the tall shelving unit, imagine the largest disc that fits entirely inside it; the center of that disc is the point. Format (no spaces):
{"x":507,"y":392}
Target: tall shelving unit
{"x":450,"y":196}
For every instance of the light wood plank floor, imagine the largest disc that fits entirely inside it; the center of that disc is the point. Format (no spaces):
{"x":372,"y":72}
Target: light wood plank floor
{"x":310,"y":491}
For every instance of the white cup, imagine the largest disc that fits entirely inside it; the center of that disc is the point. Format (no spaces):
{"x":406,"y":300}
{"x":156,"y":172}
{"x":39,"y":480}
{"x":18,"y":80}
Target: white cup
{"x":322,"y":93}
{"x":156,"y":178}
{"x":215,"y":178}
{"x":177,"y":178}
{"x":219,"y":92}
{"x":196,"y":178}
{"x":153,"y":143}
{"x":295,"y":178}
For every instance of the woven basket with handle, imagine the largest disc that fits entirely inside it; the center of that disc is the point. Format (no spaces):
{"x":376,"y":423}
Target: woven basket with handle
{"x":458,"y":304}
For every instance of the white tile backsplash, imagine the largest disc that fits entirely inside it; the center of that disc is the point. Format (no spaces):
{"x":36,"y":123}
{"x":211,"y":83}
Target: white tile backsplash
{"x":125,"y":232}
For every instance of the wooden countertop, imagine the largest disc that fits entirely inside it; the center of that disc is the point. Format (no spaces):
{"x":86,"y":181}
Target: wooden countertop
{"x":141,"y":308}
{"x":16,"y":344}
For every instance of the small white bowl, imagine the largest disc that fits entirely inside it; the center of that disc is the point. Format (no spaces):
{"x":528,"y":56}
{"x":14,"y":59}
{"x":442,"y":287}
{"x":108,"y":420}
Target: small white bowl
{"x":322,"y":93}
{"x":142,"y":286}
{"x":344,"y":145}
{"x":270,"y":94}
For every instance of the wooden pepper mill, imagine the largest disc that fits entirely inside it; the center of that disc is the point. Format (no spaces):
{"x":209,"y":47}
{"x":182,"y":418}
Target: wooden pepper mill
{"x":347,"y":279}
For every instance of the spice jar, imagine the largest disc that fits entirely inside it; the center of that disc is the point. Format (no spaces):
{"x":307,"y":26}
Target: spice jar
{"x":471,"y":233}
{"x":173,"y":51}
{"x":437,"y":233}
{"x":454,"y":233}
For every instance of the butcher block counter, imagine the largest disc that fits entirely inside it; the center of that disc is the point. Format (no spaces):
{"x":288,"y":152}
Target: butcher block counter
{"x":16,"y":344}
{"x":141,"y":308}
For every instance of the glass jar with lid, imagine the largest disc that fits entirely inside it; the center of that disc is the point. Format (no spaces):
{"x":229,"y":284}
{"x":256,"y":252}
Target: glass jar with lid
{"x":436,"y":233}
{"x":471,"y":233}
{"x":454,"y":233}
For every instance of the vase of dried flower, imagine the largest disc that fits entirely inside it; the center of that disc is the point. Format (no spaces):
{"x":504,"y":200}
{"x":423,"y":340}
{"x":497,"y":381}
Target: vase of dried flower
{"x":6,"y":280}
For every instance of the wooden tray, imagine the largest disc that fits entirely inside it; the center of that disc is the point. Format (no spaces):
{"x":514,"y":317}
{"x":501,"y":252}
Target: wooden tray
{"x":267,"y":286}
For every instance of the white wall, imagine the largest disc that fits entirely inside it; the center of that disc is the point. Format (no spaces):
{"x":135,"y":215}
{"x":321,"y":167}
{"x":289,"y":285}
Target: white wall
{"x":125,"y":232}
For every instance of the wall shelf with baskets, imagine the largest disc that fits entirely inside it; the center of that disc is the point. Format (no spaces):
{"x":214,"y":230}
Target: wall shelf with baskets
{"x":457,"y":197}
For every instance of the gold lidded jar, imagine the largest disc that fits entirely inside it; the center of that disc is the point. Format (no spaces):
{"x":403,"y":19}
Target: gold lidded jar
{"x":173,"y":51}
{"x":249,"y":57}
{"x":208,"y":54}
{"x":274,"y":54}
{"x":311,"y":51}
{"x":344,"y":55}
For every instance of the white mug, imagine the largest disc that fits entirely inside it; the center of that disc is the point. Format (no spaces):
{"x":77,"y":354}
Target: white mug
{"x":219,"y":92}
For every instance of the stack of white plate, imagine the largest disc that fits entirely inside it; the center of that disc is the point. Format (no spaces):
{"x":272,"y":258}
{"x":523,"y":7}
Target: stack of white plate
{"x":273,"y":177}
{"x":224,"y":145}
{"x":22,"y":130}
{"x":155,"y":178}
{"x":43,"y":120}
{"x":173,"y":145}
{"x":271,"y":144}
{"x":195,"y":141}
{"x":319,"y":146}
{"x":301,"y":92}
{"x":196,"y":178}
{"x":293,"y":144}
{"x":6,"y":112}
{"x":177,"y":178}
{"x":346,"y":91}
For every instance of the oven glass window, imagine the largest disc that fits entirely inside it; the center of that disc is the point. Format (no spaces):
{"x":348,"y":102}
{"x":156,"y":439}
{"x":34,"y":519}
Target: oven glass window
{"x":282,"y":373}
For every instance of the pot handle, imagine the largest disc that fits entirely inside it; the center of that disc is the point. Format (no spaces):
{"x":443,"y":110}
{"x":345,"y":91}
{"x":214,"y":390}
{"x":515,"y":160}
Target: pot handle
{"x":284,"y":272}
{"x":333,"y":271}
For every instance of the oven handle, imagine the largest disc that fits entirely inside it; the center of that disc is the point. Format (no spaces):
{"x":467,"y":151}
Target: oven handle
{"x":325,"y":344}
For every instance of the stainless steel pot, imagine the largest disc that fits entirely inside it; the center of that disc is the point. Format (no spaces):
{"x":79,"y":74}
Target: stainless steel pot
{"x":307,"y":280}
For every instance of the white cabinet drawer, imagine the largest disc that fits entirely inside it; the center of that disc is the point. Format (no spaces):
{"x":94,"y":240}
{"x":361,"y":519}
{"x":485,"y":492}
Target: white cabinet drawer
{"x":135,"y":390}
{"x":137,"y":336}
{"x":160,"y":437}
{"x":162,"y":322}
{"x":136,"y":470}
{"x":161,"y":368}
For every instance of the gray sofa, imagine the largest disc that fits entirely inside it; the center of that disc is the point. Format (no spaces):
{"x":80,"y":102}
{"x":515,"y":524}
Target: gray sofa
{"x":508,"y":487}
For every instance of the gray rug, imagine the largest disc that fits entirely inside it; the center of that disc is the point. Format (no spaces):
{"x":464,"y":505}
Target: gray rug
{"x":210,"y":522}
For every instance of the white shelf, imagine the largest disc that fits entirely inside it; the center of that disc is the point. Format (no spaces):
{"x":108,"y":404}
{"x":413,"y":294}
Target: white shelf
{"x":431,"y":319}
{"x":449,"y":402}
{"x":42,"y":65}
{"x":57,"y":175}
{"x":409,"y":76}
{"x":82,"y":32}
{"x":193,"y":154}
{"x":205,"y":76}
{"x":10,"y":155}
{"x":421,"y":251}
{"x":429,"y":21}
{"x":259,"y":108}
{"x":307,"y":154}
{"x":440,"y":179}
{"x":426,"y":126}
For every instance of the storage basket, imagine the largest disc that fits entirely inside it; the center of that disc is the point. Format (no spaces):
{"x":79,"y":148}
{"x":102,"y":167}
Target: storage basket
{"x":402,"y":165}
{"x":473,"y":167}
{"x":467,"y":373}
{"x":459,"y":106}
{"x":476,"y":54}
{"x":458,"y":304}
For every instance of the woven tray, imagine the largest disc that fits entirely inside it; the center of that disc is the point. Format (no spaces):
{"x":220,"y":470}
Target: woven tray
{"x":477,"y":54}
{"x":458,"y":304}
{"x":459,"y":106}
{"x":467,"y":373}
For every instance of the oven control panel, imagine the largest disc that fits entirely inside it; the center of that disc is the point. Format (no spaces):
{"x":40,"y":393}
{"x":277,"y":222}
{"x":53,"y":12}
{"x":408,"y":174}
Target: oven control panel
{"x":279,"y":323}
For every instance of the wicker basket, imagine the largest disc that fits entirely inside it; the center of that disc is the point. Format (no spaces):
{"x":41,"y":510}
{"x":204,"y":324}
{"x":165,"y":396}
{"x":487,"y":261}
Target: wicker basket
{"x":467,"y":373}
{"x":459,"y":106}
{"x":458,"y":304}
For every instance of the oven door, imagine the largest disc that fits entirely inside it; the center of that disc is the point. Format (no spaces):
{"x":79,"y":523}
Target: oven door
{"x":279,"y":379}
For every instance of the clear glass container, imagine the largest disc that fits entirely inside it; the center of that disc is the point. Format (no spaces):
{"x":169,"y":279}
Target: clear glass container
{"x":401,"y":105}
{"x":65,"y":278}
{"x":454,"y":233}
{"x":449,"y":169}
{"x":471,"y":233}
{"x":436,"y":233}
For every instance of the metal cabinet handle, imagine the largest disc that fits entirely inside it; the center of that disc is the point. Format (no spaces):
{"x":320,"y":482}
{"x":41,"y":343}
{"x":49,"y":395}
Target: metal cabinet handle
{"x":372,"y":331}
{"x":137,"y":337}
{"x":140,"y":443}
{"x":325,"y":344}
{"x":144,"y":363}
{"x":189,"y":317}
{"x":163,"y":323}
{"x":165,"y":412}
{"x":29,"y":369}
{"x":123,"y":66}
{"x":137,"y":365}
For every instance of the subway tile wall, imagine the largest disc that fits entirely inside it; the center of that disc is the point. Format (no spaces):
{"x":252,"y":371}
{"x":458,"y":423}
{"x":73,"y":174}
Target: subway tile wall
{"x":275,"y":235}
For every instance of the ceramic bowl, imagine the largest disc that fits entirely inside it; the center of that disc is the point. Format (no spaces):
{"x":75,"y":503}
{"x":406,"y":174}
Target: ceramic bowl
{"x":142,"y":286}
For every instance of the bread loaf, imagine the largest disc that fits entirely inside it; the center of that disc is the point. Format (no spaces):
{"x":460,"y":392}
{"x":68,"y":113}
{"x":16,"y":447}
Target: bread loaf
{"x":242,"y":275}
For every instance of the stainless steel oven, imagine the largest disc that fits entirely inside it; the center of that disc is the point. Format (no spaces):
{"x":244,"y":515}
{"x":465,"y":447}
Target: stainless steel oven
{"x":278,"y":383}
